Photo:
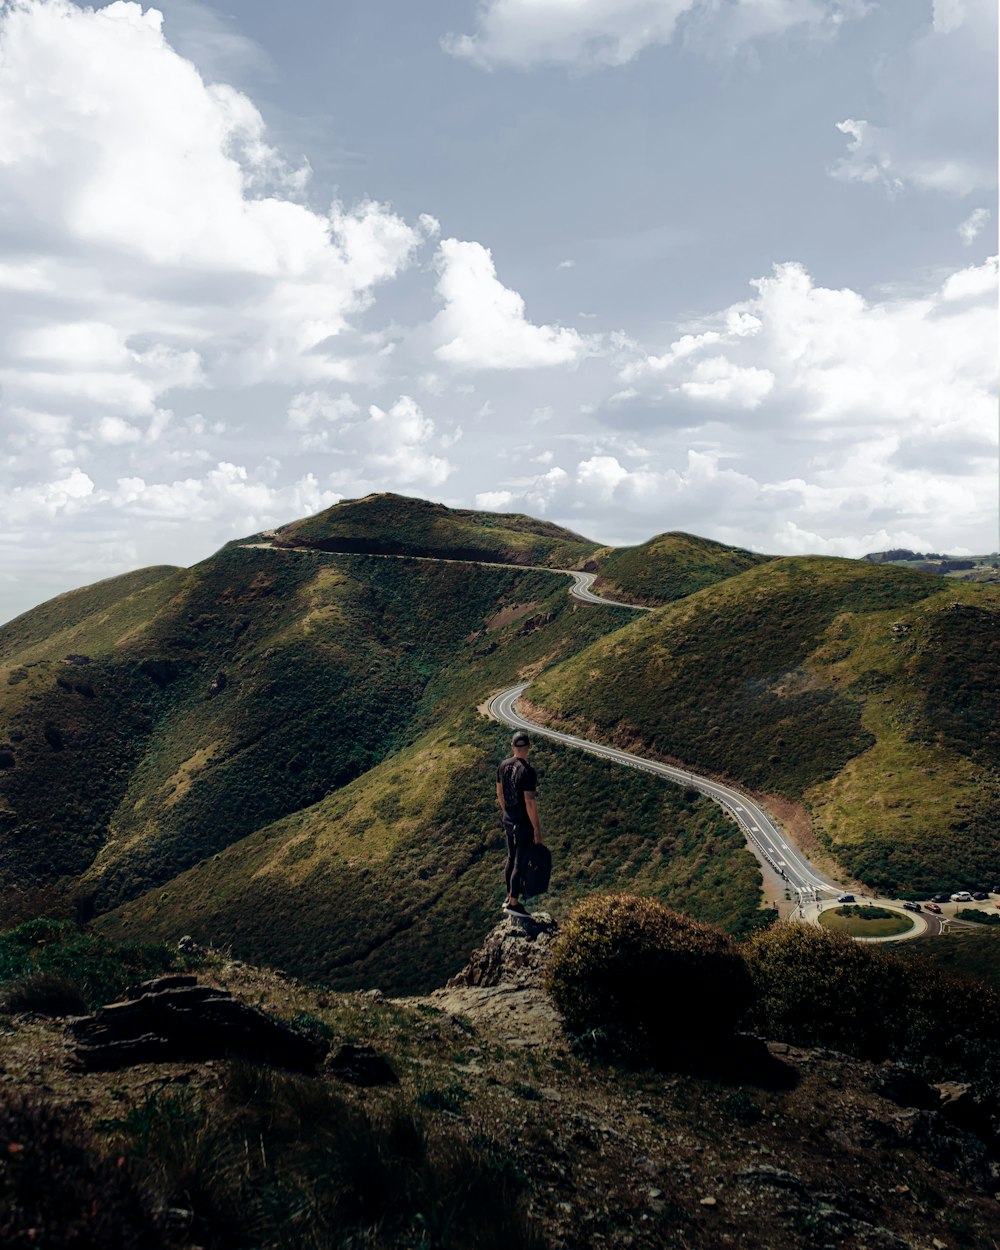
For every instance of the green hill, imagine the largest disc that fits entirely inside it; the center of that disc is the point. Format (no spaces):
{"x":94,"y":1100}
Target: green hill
{"x":99,"y":615}
{"x":260,"y":682}
{"x":668,"y":567}
{"x":867,"y":693}
{"x":278,"y":748}
{"x":387,"y":524}
{"x":387,"y":881}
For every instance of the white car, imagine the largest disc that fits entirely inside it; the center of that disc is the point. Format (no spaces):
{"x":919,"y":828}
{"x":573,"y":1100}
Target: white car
{"x":962,"y":896}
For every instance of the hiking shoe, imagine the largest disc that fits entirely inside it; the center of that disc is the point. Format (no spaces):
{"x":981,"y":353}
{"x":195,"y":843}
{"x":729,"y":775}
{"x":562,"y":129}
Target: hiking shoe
{"x":518,"y":909}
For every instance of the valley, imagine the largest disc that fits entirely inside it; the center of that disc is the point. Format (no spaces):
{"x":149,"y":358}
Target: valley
{"x":277,"y":749}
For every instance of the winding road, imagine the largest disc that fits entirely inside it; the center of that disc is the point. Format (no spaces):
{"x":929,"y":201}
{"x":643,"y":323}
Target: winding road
{"x":811,"y":888}
{"x":764,"y":837}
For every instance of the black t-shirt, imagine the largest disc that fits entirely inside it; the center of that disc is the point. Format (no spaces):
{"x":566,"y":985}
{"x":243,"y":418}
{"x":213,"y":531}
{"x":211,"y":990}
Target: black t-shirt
{"x":515,"y":776}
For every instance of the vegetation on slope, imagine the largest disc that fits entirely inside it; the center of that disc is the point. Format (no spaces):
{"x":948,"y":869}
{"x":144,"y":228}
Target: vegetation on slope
{"x":668,"y":567}
{"x":827,"y":681}
{"x":396,"y":524}
{"x":265,"y":681}
{"x":486,"y":1141}
{"x":390,"y":881}
{"x":99,"y":614}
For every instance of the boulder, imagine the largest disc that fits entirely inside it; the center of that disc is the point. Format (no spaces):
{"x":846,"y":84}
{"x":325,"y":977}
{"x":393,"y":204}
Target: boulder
{"x":173,"y":1019}
{"x":512,"y":955}
{"x":501,"y":986}
{"x":360,"y":1065}
{"x":905,"y":1088}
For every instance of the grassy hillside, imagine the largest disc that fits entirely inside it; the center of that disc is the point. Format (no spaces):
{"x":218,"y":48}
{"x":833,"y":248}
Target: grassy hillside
{"x":668,"y":567}
{"x":97,"y":614}
{"x":390,"y":880}
{"x":394,"y":524}
{"x":265,"y":681}
{"x":867,"y":692}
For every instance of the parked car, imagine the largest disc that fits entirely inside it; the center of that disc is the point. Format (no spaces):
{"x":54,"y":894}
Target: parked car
{"x":933,"y":907}
{"x":942,"y":898}
{"x":980,"y":896}
{"x":912,"y":906}
{"x":961,"y":896}
{"x":845,"y":898}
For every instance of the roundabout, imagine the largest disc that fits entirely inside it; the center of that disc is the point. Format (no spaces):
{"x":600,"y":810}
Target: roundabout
{"x":870,"y":922}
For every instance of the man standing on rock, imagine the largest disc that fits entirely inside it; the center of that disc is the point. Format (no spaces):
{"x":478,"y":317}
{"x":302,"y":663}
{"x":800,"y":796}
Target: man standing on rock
{"x":516,"y":784}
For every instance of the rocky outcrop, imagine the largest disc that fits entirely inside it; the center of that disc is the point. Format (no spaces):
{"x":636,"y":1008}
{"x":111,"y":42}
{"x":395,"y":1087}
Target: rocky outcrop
{"x":360,"y":1065}
{"x":174,"y":1019}
{"x":501,"y":986}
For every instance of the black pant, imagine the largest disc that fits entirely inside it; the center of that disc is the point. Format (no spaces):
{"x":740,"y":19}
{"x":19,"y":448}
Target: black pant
{"x":520,"y":839}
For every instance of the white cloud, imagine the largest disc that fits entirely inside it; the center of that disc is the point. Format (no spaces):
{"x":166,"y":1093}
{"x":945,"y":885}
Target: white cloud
{"x":310,"y":407}
{"x":483,"y":326}
{"x":162,"y":239}
{"x":976,"y":282}
{"x":973,"y":226}
{"x":719,"y":379}
{"x":494,"y":500}
{"x":838,"y":364}
{"x":385,"y":449}
{"x":115,"y":431}
{"x":613,"y":32}
{"x":936,"y":132}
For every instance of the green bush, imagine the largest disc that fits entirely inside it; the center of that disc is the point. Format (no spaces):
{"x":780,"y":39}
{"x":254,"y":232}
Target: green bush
{"x":619,"y":958}
{"x":99,"y":969}
{"x":819,"y":988}
{"x":815,"y":987}
{"x":58,"y":1192}
{"x":979,"y":917}
{"x":46,"y":993}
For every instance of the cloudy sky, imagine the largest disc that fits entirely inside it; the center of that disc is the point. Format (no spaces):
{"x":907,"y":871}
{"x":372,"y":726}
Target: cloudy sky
{"x":726,"y":266}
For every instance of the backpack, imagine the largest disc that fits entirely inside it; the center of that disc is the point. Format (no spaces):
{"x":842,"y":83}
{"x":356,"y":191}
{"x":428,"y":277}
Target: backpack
{"x":538,"y":871}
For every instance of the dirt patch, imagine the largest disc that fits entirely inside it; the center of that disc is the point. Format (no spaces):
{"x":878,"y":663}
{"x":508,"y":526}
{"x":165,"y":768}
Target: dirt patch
{"x":507,"y":616}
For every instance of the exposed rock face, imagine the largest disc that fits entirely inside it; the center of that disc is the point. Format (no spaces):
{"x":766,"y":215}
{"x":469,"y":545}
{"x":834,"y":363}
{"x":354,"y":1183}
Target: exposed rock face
{"x":502,"y":984}
{"x":512,"y":955}
{"x":218,"y":683}
{"x":174,"y":1019}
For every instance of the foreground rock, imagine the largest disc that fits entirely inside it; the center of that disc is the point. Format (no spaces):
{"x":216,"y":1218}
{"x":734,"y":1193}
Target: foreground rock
{"x":174,"y":1019}
{"x":501,"y":986}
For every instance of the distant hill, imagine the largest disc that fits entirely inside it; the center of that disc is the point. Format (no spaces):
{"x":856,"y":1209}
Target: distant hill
{"x":388,"y":524}
{"x":984,"y":569}
{"x":867,"y":693}
{"x":668,"y":567}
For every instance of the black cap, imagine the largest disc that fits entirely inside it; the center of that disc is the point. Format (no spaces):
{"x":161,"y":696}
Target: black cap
{"x":520,"y":739}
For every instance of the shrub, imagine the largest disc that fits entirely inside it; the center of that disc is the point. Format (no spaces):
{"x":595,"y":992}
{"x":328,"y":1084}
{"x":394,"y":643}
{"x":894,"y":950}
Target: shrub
{"x":58,"y":1193}
{"x":281,"y":1161}
{"x":815,"y":987}
{"x":46,"y":993}
{"x":619,"y":959}
{"x":99,"y":969}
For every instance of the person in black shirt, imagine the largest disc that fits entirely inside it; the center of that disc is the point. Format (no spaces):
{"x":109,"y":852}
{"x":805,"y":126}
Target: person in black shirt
{"x":516,"y":786}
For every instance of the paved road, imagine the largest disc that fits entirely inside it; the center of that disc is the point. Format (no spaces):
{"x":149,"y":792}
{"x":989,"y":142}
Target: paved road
{"x":581,"y":589}
{"x":764,"y":838}
{"x":580,"y":583}
{"x":811,"y":887}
